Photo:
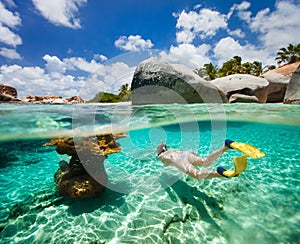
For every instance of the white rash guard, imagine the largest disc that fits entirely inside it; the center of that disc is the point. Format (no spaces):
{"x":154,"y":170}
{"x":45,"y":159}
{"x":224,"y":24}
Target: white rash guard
{"x":186,"y":160}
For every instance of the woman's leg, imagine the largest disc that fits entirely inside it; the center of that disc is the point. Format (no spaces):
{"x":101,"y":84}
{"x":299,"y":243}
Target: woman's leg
{"x":202,"y":174}
{"x":198,"y":161}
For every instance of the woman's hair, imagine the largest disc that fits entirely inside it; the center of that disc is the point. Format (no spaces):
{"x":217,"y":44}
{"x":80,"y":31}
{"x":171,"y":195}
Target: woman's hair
{"x":161,"y":148}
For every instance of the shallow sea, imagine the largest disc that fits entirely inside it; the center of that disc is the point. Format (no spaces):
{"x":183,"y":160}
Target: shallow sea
{"x":145,"y":202}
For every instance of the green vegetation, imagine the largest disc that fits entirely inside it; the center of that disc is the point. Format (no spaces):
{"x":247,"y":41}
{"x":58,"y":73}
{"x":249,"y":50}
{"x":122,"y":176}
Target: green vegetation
{"x":233,"y":66}
{"x":289,"y":55}
{"x":208,"y":72}
{"x":125,"y":93}
{"x":106,"y":97}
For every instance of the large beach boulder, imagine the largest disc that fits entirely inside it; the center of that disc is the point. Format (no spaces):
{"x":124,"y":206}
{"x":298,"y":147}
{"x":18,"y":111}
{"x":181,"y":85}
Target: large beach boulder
{"x":8,"y":93}
{"x":241,"y":98}
{"x":75,"y":100}
{"x":278,"y":81}
{"x":292,"y":94}
{"x":157,"y":81}
{"x":243,"y":84}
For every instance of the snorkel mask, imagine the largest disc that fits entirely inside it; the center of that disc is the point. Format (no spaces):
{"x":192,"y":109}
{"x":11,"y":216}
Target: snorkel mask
{"x":161,"y":148}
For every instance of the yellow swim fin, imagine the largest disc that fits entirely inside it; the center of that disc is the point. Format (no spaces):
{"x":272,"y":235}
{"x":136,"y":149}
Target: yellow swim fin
{"x":240,"y":165}
{"x":245,"y":148}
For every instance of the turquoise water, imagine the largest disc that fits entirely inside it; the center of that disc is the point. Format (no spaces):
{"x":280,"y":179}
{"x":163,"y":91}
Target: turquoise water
{"x":146,"y":202}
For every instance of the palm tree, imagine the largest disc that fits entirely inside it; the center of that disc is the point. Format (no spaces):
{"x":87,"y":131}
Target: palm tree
{"x":268,"y":67}
{"x":123,"y":90}
{"x":208,"y":71}
{"x":233,"y":66}
{"x":256,"y":68}
{"x":211,"y":71}
{"x":246,"y":68}
{"x":201,"y":72}
{"x":290,"y":55}
{"x":124,"y":93}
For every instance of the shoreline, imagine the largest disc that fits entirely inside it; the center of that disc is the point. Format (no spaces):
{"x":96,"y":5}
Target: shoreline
{"x":37,"y":103}
{"x":117,"y":103}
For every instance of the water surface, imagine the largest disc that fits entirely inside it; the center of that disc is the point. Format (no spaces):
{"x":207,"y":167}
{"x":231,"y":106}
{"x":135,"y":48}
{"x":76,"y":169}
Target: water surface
{"x":146,"y":202}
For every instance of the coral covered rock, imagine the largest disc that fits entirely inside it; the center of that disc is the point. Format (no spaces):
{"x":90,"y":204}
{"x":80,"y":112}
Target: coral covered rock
{"x":84,"y":176}
{"x":72,"y":180}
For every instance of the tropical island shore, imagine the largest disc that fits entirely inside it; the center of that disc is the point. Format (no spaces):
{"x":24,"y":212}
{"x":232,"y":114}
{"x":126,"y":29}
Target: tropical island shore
{"x":158,"y":81}
{"x":279,"y":85}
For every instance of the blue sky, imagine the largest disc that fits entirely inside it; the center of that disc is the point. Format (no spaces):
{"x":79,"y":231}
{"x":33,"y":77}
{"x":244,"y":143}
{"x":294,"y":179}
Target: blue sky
{"x":64,"y":47}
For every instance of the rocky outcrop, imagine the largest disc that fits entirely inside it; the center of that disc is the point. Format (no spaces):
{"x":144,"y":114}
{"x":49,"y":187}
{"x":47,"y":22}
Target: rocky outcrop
{"x":84,"y":176}
{"x":75,"y":100}
{"x":8,"y":93}
{"x":241,"y":98}
{"x":156,"y":81}
{"x":51,"y":99}
{"x":243,"y":84}
{"x":73,"y":181}
{"x":278,"y":81}
{"x":292,"y":94}
{"x":277,"y":86}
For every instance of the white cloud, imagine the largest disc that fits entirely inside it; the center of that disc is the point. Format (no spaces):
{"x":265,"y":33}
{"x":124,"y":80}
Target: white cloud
{"x":204,"y":24}
{"x":133,"y":43}
{"x":197,"y":6}
{"x":245,"y":15}
{"x":185,"y":36}
{"x":16,"y":72}
{"x":242,"y":12}
{"x":8,"y":37}
{"x":243,"y":6}
{"x":8,"y":18}
{"x":116,"y":74}
{"x":34,"y":80}
{"x":54,"y":64}
{"x":54,"y":78}
{"x":238,"y":33}
{"x":9,"y":53}
{"x":227,"y":47}
{"x":60,"y":12}
{"x":196,"y":55}
{"x":100,"y":57}
{"x":278,"y":28}
{"x":10,"y":3}
{"x":79,"y":63}
{"x":8,"y":21}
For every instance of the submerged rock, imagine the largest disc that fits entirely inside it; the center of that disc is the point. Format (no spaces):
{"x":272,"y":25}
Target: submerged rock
{"x":74,"y":179}
{"x":156,"y":81}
